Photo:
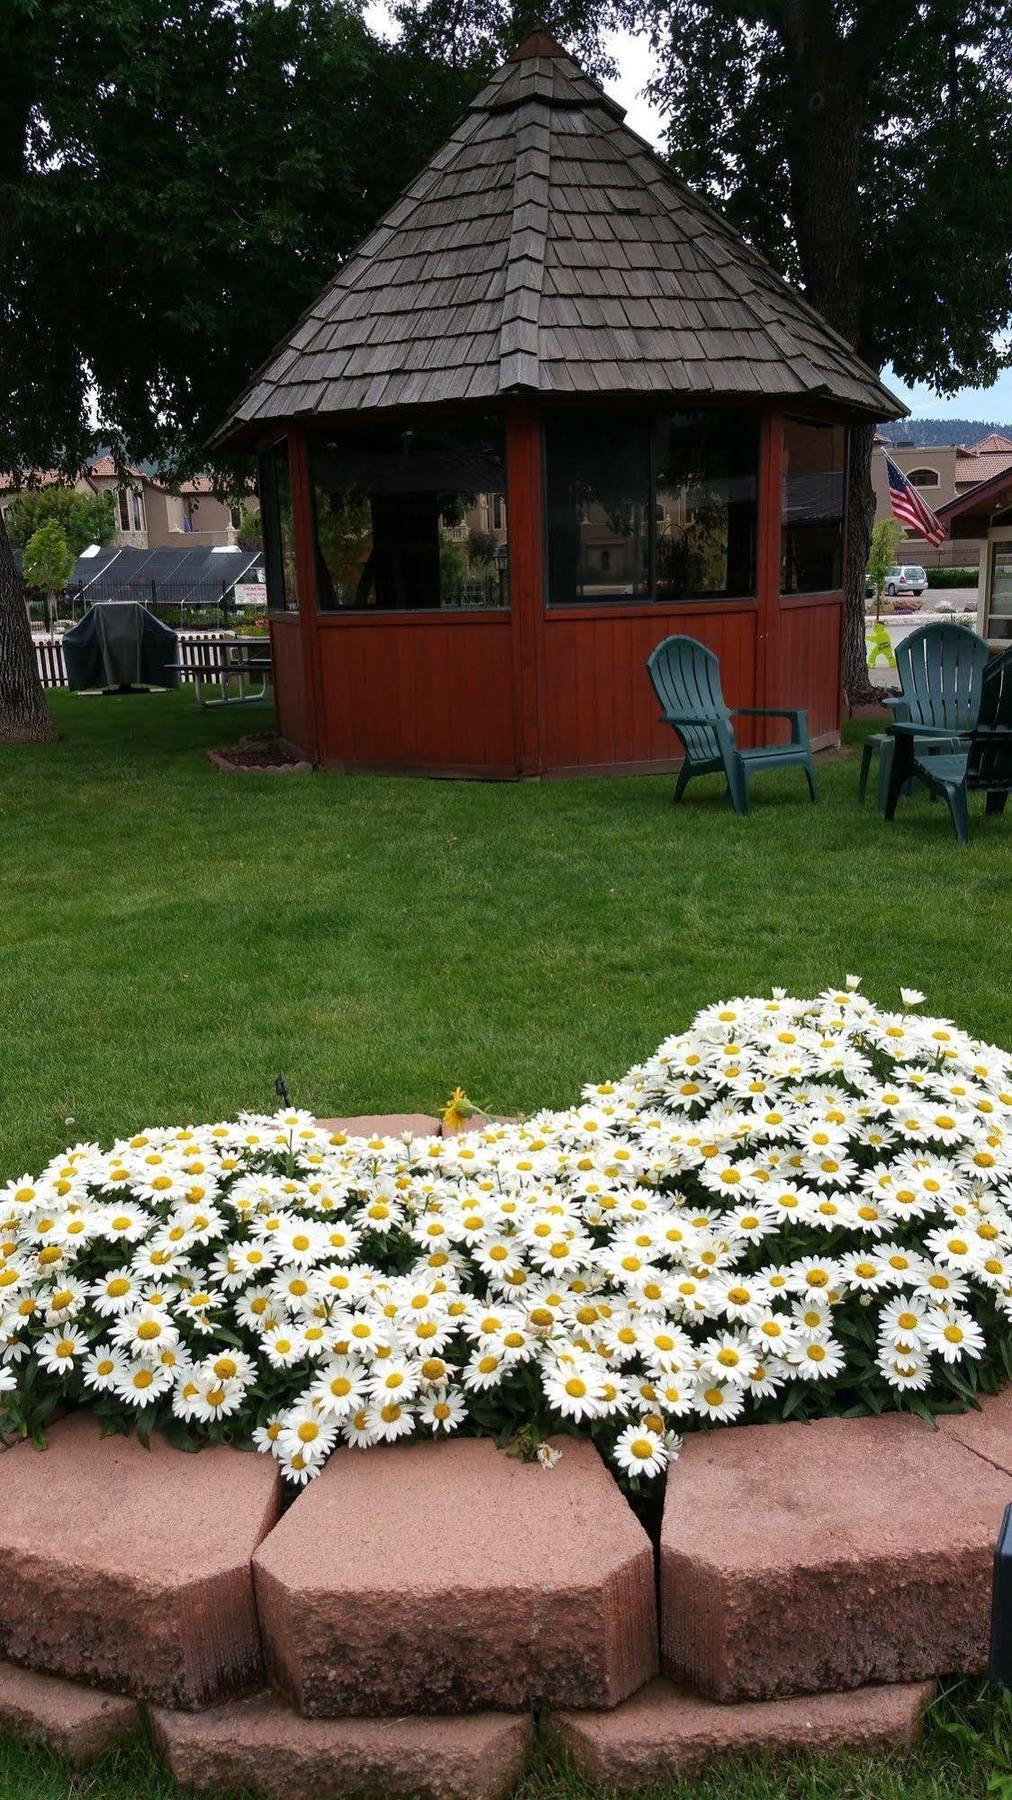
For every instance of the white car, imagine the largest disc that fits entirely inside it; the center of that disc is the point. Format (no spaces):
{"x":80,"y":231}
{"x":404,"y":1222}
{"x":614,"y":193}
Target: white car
{"x":905,"y":578}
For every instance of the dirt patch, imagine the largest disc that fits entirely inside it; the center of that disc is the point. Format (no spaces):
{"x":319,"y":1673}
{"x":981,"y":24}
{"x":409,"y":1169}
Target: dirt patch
{"x":260,"y":753}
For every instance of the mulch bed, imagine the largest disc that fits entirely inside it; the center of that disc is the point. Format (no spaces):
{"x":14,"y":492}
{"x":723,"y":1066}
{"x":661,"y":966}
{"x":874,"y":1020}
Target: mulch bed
{"x":260,"y":753}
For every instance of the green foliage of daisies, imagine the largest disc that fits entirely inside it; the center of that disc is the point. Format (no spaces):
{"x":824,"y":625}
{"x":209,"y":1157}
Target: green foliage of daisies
{"x":797,"y":1207}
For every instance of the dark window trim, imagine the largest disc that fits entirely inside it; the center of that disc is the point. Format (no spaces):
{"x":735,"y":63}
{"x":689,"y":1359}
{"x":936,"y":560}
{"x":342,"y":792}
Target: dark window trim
{"x":271,"y":526}
{"x":323,"y":613}
{"x":803,"y":594}
{"x":647,"y":602}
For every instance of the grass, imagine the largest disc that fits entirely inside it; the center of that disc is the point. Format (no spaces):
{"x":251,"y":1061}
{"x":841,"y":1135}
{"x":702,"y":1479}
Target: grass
{"x":172,"y":938}
{"x":967,"y":1739}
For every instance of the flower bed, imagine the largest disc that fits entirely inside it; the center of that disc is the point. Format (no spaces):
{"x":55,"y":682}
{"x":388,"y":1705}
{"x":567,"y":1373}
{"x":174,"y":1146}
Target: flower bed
{"x":796,"y":1207}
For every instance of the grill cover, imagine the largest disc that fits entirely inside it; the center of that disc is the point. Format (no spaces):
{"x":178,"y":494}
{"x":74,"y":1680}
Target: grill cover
{"x":119,"y":643}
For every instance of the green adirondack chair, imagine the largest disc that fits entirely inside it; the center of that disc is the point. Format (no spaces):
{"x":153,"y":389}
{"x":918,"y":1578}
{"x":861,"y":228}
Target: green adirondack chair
{"x":978,"y":761}
{"x":686,"y":680}
{"x":940,"y":668}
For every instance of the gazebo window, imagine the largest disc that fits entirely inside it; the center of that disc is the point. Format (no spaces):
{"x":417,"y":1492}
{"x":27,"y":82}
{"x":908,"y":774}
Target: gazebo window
{"x":279,"y":535}
{"x":811,"y":529}
{"x":657,"y":506}
{"x":411,"y":518}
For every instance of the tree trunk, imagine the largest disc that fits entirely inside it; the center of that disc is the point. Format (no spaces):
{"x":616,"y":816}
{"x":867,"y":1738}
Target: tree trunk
{"x":860,"y":518}
{"x":24,"y":713}
{"x":830,"y":73}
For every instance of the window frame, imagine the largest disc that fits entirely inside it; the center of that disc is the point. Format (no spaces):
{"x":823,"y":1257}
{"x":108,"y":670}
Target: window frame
{"x":923,"y":469}
{"x":798,"y":596}
{"x":649,"y":603}
{"x":270,"y":513}
{"x":327,"y":614}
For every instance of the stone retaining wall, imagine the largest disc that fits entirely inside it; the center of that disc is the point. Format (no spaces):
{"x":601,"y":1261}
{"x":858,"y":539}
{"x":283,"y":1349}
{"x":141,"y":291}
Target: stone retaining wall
{"x":408,"y":1616}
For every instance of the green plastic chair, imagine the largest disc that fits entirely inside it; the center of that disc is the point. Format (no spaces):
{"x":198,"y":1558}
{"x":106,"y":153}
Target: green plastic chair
{"x":940,"y":669}
{"x":686,"y":680}
{"x":979,"y":761}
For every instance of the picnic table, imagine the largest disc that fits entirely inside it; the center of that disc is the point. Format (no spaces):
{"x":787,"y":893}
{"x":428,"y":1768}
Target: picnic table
{"x":225,"y":663}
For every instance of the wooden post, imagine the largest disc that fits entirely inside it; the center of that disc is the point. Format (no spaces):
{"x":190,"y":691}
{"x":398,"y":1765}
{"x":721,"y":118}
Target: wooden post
{"x":303,"y":527}
{"x":771,"y":461}
{"x":525,"y":536}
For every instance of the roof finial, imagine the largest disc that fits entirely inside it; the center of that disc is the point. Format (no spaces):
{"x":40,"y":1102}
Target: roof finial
{"x":538,"y":43}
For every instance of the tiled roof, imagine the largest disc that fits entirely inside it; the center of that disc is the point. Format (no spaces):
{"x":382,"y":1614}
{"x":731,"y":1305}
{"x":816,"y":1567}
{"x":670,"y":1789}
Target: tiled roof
{"x":993,"y":442}
{"x":546,"y":247}
{"x":981,"y":461}
{"x":105,"y":466}
{"x":35,"y":478}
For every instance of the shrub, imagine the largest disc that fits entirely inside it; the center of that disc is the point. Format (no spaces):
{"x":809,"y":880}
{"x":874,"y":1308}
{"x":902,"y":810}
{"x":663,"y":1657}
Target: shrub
{"x":952,"y":578}
{"x":794,"y":1208}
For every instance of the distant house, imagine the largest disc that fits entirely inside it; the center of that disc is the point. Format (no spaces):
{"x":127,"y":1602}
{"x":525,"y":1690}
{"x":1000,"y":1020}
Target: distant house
{"x":982,"y":516}
{"x":942,"y":473}
{"x":149,"y":515}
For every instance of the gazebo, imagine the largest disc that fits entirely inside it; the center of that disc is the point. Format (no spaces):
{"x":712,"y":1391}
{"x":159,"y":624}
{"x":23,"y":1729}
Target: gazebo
{"x":550,"y":411}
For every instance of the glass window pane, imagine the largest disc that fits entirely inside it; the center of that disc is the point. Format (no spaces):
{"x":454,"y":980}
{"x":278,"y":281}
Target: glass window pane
{"x":999,"y":624}
{"x":811,"y":531}
{"x":597,"y":499}
{"x":278,"y":529}
{"x":706,"y":466}
{"x":411,"y":519}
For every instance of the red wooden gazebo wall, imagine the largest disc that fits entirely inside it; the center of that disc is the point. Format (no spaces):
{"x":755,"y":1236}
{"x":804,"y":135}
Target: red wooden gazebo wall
{"x":537,"y":690}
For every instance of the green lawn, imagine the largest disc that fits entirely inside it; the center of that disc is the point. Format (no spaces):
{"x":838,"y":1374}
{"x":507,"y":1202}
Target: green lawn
{"x":172,"y":938}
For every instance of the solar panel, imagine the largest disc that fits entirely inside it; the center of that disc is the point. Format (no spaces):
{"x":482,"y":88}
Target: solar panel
{"x":194,"y":576}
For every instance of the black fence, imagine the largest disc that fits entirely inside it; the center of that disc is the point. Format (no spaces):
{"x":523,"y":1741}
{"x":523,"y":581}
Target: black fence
{"x":189,"y":606}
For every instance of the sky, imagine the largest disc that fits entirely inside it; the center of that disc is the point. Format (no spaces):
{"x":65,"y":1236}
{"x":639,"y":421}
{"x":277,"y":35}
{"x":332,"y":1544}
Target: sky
{"x":635,"y":65}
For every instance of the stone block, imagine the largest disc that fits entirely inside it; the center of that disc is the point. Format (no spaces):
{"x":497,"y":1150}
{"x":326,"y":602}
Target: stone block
{"x":810,"y":1558}
{"x":448,"y":1578}
{"x":129,"y":1568}
{"x":665,"y":1731}
{"x":988,"y":1433}
{"x":77,"y":1722}
{"x":261,"y":1746}
{"x":369,"y":1125}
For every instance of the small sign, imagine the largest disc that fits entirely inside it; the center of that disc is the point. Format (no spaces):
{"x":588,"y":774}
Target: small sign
{"x":251,"y":593}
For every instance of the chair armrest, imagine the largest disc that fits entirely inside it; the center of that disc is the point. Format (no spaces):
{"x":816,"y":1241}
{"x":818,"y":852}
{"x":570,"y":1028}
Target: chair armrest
{"x":899,"y":704}
{"x":771,"y":712}
{"x":909,"y":728}
{"x":797,"y":715}
{"x":992,"y":731}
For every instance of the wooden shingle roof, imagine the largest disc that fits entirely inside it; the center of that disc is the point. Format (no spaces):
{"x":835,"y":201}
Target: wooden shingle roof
{"x":546,"y":247}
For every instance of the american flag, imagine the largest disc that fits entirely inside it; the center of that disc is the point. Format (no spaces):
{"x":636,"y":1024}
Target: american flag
{"x":909,"y":508}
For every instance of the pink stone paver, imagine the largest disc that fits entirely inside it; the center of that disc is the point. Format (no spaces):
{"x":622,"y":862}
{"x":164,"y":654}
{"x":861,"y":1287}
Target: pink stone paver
{"x":370,"y":1125}
{"x":77,"y":1722}
{"x":448,"y":1578}
{"x":130,"y":1568}
{"x":262,"y":1745}
{"x":988,"y":1433}
{"x":806,"y":1558}
{"x":665,"y":1731}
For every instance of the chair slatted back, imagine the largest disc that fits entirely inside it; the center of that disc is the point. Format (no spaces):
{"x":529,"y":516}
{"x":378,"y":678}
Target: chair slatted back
{"x":686,"y":679}
{"x":990,"y":764}
{"x":941,"y":671}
